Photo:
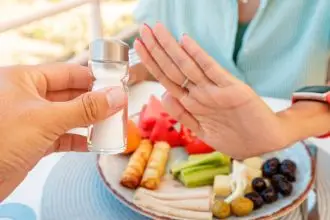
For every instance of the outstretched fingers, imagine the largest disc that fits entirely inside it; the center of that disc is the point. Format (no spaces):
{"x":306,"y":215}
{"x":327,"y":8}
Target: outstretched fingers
{"x":156,"y":71}
{"x":178,"y":55}
{"x":164,"y":62}
{"x":209,"y":66}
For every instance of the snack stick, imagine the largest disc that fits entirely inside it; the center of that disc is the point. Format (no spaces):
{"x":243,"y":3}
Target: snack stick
{"x":133,"y":173}
{"x":156,"y":166}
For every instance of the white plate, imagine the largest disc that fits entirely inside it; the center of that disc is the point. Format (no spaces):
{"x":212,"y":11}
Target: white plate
{"x":111,"y":168}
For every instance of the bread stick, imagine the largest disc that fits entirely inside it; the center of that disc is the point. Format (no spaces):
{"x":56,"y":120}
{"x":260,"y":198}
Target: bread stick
{"x":156,"y":166}
{"x":133,"y":173}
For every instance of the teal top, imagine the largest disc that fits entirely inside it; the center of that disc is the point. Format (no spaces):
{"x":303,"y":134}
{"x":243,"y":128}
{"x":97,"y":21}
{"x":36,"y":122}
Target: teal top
{"x":239,"y":38}
{"x":285,"y":46}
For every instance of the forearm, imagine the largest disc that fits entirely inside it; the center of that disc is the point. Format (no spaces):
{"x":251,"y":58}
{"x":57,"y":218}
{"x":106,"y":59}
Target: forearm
{"x":10,"y":177}
{"x":7,"y":186}
{"x":306,"y":119}
{"x":14,"y":167}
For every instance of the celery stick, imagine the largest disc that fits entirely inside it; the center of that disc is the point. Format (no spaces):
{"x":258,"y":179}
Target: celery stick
{"x":202,"y":177}
{"x":213,"y":158}
{"x":226,"y":159}
{"x":193,"y":169}
{"x":197,"y":156}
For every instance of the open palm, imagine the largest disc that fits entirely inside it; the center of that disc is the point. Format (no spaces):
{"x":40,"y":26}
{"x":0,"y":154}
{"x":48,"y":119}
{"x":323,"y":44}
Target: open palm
{"x":223,"y":111}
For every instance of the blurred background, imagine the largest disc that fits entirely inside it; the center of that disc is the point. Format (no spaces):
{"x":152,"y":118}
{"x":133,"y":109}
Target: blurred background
{"x":38,"y":31}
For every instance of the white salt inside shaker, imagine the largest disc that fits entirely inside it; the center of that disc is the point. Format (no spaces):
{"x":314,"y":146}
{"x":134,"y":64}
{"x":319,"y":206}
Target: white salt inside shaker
{"x":109,"y":66}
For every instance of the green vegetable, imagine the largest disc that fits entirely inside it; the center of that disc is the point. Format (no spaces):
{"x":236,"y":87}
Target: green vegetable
{"x":197,"y":156}
{"x":226,"y":159}
{"x":215,"y":158}
{"x":201,"y":177}
{"x":193,"y":169}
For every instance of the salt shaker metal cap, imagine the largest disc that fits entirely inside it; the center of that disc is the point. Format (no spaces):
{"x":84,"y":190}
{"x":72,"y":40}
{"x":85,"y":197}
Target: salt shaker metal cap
{"x":104,"y":50}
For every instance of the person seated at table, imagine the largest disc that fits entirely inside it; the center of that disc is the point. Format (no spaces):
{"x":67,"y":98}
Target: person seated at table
{"x":230,"y":53}
{"x":220,"y":103}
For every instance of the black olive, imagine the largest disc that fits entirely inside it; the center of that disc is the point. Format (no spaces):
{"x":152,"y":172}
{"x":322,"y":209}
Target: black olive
{"x":291,"y":177}
{"x":276,"y":179}
{"x":273,"y":162}
{"x":259,"y":184}
{"x":257,"y":200}
{"x":269,"y":195}
{"x":270,"y":167}
{"x":288,"y":169}
{"x":285,"y":187}
{"x":290,"y":164}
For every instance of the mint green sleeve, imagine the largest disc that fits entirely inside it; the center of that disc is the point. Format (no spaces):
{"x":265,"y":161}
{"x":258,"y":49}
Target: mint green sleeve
{"x":148,"y":11}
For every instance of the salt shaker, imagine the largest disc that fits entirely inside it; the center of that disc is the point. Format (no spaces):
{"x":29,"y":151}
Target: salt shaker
{"x":109,"y":65}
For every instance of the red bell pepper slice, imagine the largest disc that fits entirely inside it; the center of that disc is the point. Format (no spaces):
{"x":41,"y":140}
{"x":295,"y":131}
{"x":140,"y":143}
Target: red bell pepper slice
{"x":198,"y":147}
{"x":192,"y":144}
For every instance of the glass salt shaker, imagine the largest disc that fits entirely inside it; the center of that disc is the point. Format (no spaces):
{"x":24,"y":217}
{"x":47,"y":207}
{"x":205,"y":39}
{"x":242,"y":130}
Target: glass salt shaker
{"x":109,"y":65}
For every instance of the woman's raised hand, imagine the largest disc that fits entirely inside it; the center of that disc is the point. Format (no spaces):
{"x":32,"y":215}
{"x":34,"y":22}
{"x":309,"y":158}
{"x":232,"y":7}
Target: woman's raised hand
{"x":223,"y":111}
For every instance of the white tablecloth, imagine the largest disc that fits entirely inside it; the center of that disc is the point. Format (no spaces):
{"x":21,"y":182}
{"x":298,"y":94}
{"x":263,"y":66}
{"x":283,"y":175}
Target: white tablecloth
{"x":29,"y":191}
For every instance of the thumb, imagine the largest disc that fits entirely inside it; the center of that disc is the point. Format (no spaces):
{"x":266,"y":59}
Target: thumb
{"x":90,"y":107}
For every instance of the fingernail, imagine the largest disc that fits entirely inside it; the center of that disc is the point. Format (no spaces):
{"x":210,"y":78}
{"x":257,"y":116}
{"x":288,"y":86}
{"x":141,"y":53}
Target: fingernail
{"x":138,"y":40}
{"x":164,"y":94}
{"x":147,"y":26}
{"x":116,"y":98}
{"x":182,"y":36}
{"x":158,"y":25}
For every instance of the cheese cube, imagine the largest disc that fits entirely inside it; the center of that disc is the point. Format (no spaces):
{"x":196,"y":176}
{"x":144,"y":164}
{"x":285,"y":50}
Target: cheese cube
{"x":254,"y":162}
{"x":221,"y":185}
{"x":253,"y":173}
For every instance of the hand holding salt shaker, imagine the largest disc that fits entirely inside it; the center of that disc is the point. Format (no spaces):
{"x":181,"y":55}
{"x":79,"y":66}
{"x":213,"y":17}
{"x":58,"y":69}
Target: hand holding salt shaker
{"x":109,"y":65}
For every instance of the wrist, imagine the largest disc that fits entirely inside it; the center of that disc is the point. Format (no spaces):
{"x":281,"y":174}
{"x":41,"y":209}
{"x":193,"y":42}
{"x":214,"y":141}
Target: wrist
{"x":13,"y":170}
{"x":305,"y":119}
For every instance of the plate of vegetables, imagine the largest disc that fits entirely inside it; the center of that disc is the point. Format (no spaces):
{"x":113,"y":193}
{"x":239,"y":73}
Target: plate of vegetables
{"x":168,"y":173}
